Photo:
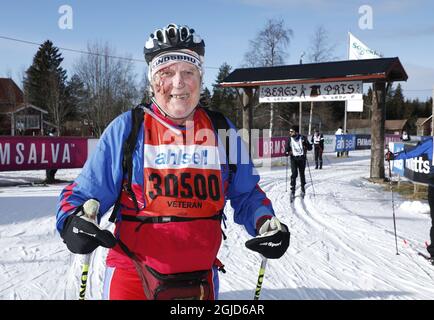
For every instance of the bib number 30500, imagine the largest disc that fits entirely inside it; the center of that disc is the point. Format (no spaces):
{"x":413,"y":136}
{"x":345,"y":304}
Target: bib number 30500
{"x":186,"y":185}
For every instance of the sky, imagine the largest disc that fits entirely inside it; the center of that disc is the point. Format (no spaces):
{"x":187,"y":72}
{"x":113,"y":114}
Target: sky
{"x":403,"y":29}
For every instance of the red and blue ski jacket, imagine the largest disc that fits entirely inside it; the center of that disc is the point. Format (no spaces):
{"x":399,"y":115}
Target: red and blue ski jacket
{"x":175,"y":246}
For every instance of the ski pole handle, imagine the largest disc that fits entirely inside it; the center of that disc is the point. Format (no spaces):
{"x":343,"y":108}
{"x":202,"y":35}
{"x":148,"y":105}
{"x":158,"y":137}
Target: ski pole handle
{"x":260,"y":278}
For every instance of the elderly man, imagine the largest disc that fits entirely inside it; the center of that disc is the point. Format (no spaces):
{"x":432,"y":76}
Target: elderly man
{"x":168,"y":186}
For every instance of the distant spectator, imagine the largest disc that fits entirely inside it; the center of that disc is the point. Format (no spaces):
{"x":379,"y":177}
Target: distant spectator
{"x":318,"y":143}
{"x":405,"y":136}
{"x":338,"y":133}
{"x":50,"y":173}
{"x":346,"y":152}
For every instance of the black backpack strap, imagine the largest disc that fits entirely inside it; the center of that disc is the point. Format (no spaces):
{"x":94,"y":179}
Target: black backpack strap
{"x":219,"y":121}
{"x":127,"y":161}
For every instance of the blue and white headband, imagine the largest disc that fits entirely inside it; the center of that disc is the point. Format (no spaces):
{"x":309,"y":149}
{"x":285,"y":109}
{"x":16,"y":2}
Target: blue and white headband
{"x":171,"y":57}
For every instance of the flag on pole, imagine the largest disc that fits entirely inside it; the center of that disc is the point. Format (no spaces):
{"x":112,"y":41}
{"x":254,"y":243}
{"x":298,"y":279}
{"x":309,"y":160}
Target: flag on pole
{"x":357,"y":50}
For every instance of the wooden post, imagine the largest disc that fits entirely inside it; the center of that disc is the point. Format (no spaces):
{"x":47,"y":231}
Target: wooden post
{"x":247,"y":116}
{"x":377,"y":130}
{"x":345,"y":117}
{"x":300,"y":111}
{"x":310,"y":118}
{"x":41,"y":121}
{"x":432,"y":113}
{"x":12,"y":123}
{"x":271,"y":119}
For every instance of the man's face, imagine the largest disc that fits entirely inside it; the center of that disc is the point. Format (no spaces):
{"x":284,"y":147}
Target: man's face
{"x":177,"y":89}
{"x":292,"y":132}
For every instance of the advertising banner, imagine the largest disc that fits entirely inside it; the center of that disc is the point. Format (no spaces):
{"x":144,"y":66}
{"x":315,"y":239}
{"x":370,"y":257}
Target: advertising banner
{"x":363,"y":141}
{"x":35,"y":153}
{"x":272,"y":147}
{"x":345,"y":142}
{"x":416,"y":169}
{"x":322,"y":91}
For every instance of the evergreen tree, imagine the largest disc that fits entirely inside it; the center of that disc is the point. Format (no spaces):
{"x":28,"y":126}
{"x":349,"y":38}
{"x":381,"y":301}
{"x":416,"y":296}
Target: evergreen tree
{"x":428,"y":108}
{"x":205,"y":98}
{"x":399,"y":104}
{"x":44,"y":84}
{"x":390,"y":105}
{"x":76,"y":95}
{"x":367,"y":105}
{"x":224,"y":99}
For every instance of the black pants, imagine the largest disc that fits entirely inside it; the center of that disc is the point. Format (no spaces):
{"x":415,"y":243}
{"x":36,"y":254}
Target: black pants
{"x":49,"y":175}
{"x":430,"y":248}
{"x":318,"y":157}
{"x":298,"y":164}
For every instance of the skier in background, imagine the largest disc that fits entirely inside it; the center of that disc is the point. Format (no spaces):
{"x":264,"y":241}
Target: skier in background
{"x":296,"y":149}
{"x":318,"y":144}
{"x":338,"y":133}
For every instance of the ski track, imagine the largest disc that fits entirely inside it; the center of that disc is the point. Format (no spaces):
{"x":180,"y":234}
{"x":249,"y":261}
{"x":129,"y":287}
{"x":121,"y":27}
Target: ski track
{"x":342,"y":242}
{"x":346,"y":235}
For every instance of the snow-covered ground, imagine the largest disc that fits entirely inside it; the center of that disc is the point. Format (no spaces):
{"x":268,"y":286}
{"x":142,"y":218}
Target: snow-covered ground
{"x":342,"y":241}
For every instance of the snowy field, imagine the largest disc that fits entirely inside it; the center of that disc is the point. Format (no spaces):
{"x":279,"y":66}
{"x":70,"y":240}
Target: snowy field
{"x":342,"y":241}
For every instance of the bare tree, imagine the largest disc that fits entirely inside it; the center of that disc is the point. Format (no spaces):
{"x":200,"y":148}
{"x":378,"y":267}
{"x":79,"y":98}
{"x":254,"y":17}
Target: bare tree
{"x":320,"y":50}
{"x":109,"y":84}
{"x":269,"y":49}
{"x":55,"y":106}
{"x":145,"y":88}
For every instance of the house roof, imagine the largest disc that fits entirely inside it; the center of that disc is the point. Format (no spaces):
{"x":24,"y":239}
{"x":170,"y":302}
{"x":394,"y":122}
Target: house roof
{"x":14,"y":109}
{"x":394,"y":124}
{"x":367,"y":70}
{"x":10,"y":93}
{"x":422,"y":121}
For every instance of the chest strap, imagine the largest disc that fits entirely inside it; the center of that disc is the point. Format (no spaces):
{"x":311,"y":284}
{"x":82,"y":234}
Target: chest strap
{"x":166,"y":219}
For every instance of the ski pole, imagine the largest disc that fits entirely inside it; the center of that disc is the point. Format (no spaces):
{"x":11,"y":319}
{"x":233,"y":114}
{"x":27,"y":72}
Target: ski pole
{"x":90,"y":209}
{"x":260,"y":278}
{"x":286,"y":176}
{"x":311,"y":180}
{"x":84,"y":275}
{"x":393,"y":208}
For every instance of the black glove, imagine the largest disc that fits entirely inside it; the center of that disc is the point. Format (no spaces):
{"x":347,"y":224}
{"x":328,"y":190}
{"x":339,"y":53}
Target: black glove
{"x":82,"y":235}
{"x":272,"y":240}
